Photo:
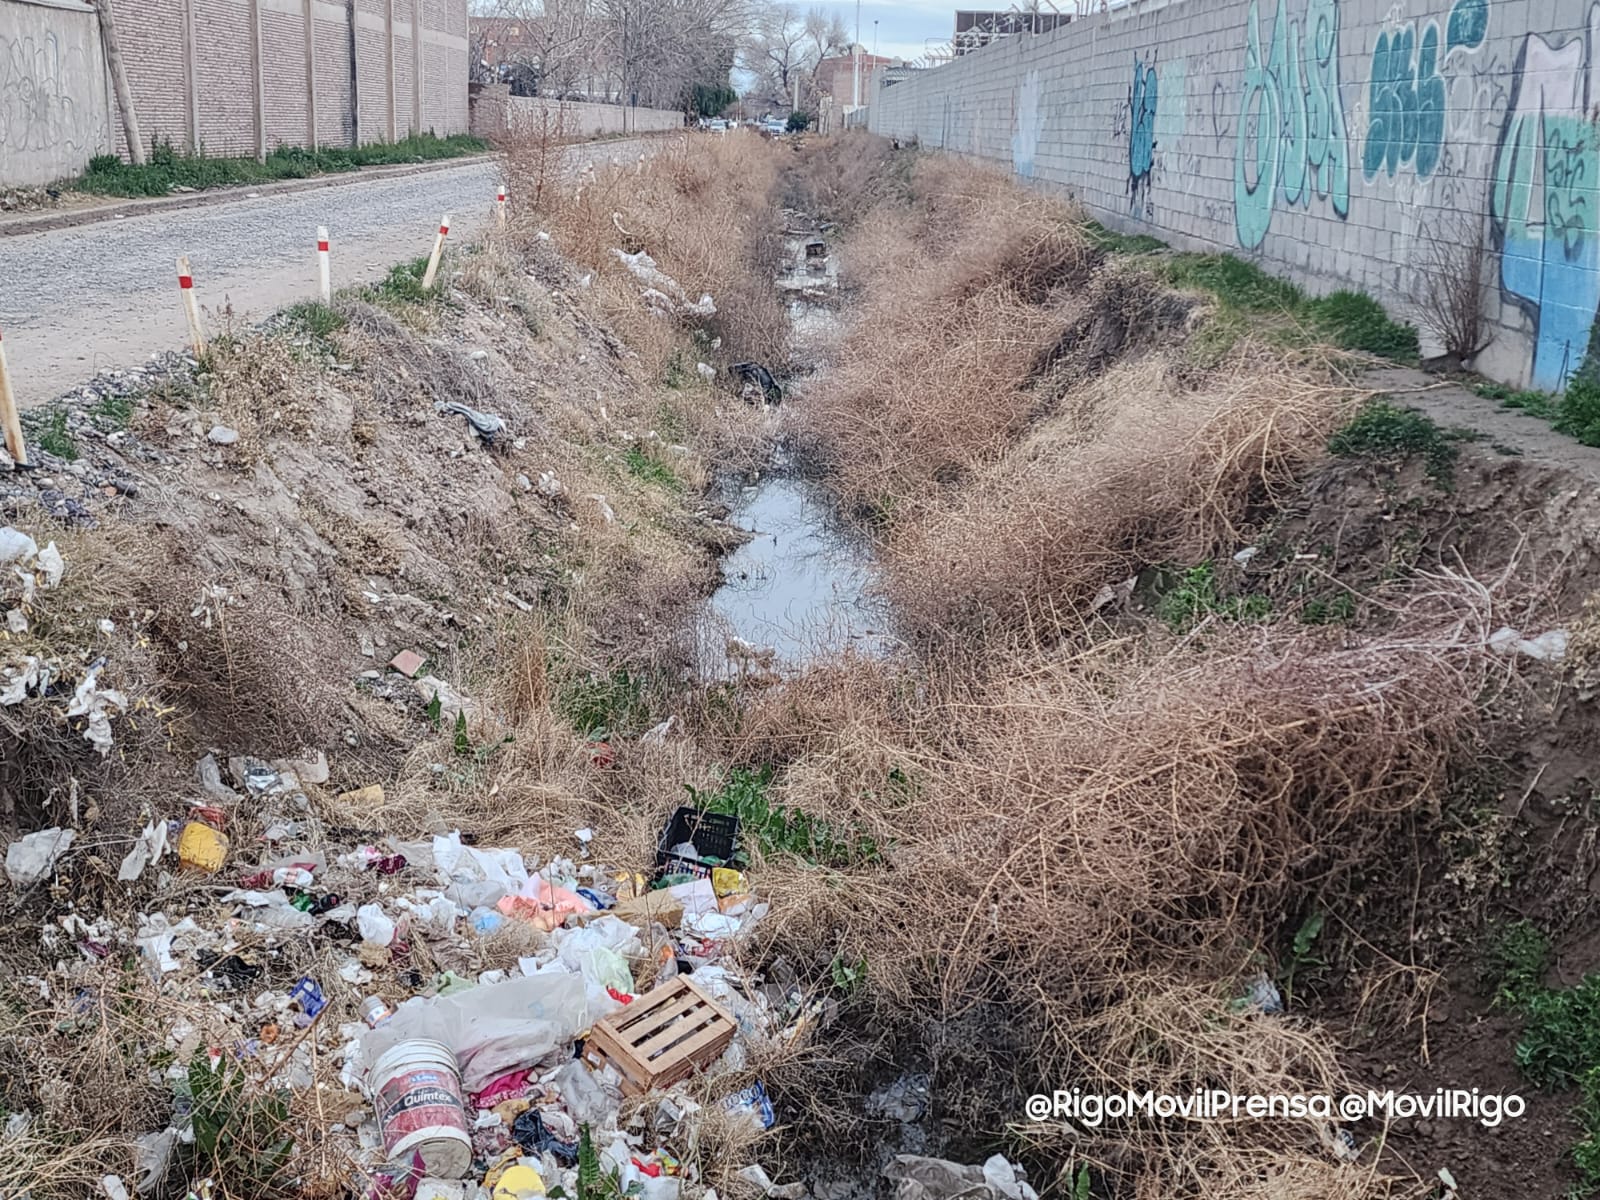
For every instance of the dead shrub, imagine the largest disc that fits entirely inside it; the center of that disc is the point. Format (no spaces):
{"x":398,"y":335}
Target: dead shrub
{"x":1448,"y":288}
{"x":1133,"y":467}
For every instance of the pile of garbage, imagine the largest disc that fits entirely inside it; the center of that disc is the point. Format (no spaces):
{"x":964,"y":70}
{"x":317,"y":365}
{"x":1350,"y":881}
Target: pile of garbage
{"x":492,"y":1084}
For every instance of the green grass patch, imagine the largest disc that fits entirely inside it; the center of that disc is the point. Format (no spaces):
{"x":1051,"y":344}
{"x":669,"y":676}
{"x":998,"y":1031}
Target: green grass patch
{"x":1579,"y":415}
{"x":745,"y":794}
{"x":1386,"y":433}
{"x":316,"y":318}
{"x":1339,"y":609}
{"x":1515,"y":963}
{"x":1235,"y":282}
{"x":1349,"y":320}
{"x":402,"y":285}
{"x":168,"y":170}
{"x":1121,"y":243}
{"x":599,"y":705}
{"x":651,"y":470}
{"x":1193,"y":596}
{"x":48,"y":428}
{"x":1534,"y":403}
{"x":1355,"y":321}
{"x":112,"y":412}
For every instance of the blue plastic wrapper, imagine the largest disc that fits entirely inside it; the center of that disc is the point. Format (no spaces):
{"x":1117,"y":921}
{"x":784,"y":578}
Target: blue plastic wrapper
{"x":307,"y":993}
{"x":754,"y":1101}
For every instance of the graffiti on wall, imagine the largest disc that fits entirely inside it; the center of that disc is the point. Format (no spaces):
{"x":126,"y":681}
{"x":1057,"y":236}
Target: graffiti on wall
{"x":1292,"y":138}
{"x":1143,"y":102}
{"x":1406,"y":98}
{"x":1545,"y":198}
{"x":41,"y":108}
{"x":1025,"y":141}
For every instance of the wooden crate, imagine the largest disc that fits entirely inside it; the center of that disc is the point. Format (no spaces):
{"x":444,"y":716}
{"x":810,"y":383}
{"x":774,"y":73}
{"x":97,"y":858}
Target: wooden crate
{"x":663,"y":1036}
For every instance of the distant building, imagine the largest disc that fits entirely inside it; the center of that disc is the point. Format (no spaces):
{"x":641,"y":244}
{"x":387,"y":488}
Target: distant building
{"x":975,"y":29}
{"x":835,"y":76}
{"x":501,"y":40}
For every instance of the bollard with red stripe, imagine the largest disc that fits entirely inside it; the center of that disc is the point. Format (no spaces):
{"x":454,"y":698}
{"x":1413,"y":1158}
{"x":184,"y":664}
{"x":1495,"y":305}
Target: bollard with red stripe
{"x":500,"y":205}
{"x":438,"y":249}
{"x":191,"y":307}
{"x":324,"y":270}
{"x":10,"y":422}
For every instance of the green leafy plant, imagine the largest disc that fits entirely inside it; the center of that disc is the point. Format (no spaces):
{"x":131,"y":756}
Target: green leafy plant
{"x":1515,"y":962}
{"x":744,"y":794}
{"x":599,"y":703}
{"x":53,"y":437}
{"x":241,"y":1134}
{"x":1302,"y":957}
{"x":1080,"y":1183}
{"x":1355,"y":321}
{"x":651,"y":470}
{"x":1194,"y":596}
{"x":403,"y":284}
{"x":849,"y":974}
{"x":1383,"y":432}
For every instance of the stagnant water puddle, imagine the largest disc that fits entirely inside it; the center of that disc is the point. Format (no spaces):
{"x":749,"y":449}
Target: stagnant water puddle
{"x":802,"y":587}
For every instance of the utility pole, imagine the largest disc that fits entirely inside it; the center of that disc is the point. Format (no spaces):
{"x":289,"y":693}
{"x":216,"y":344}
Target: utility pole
{"x":855,"y":54}
{"x":119,"y":81}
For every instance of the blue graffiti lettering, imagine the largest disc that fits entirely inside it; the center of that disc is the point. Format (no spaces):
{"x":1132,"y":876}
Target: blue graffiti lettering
{"x":1407,"y":102}
{"x":1143,"y":102}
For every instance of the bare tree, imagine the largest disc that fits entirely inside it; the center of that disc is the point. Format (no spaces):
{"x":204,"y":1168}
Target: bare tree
{"x":786,"y":47}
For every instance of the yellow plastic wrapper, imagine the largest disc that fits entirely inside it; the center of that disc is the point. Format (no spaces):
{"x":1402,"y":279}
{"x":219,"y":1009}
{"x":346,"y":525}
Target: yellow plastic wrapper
{"x":201,"y":846}
{"x":725,"y":881}
{"x":518,"y":1183}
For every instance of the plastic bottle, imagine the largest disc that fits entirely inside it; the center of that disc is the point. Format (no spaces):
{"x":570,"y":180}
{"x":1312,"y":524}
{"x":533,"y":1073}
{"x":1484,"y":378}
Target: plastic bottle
{"x":375,"y":1011}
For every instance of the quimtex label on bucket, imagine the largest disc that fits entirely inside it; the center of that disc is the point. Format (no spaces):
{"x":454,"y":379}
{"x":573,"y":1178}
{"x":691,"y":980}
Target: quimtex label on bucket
{"x":422,"y":1098}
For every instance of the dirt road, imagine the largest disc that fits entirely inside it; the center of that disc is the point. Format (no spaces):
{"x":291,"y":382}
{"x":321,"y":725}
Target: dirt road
{"x":73,"y":301}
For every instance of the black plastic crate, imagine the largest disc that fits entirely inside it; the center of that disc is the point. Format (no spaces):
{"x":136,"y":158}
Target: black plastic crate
{"x":715,"y":835}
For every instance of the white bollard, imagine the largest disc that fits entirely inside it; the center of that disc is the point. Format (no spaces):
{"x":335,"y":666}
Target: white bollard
{"x":438,"y":249}
{"x":324,"y":272}
{"x":500,"y":206}
{"x":9,"y":421}
{"x":191,"y":307}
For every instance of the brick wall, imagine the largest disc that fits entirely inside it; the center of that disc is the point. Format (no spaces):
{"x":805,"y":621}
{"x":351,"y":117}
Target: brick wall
{"x":1333,"y":140}
{"x":223,"y":73}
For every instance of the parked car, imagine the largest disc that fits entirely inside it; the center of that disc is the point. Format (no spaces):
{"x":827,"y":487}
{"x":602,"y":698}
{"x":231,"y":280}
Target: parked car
{"x":718,"y":125}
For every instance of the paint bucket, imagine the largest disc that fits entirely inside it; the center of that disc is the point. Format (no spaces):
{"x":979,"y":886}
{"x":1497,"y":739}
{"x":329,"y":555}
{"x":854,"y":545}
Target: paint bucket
{"x":416,"y":1087}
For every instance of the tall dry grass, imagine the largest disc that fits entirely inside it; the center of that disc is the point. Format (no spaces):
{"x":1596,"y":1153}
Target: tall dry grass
{"x":1021,"y":416}
{"x":1091,"y":849}
{"x":702,"y":210}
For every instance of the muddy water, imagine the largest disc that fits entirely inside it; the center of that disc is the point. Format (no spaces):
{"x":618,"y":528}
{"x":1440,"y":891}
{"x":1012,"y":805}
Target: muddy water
{"x":802,"y":587}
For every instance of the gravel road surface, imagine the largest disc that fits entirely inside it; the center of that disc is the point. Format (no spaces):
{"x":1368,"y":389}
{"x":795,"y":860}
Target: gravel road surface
{"x":75,"y":300}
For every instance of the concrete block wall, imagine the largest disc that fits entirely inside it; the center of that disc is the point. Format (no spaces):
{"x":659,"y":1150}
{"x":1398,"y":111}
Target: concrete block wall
{"x":1332,"y":140}
{"x":497,"y":113}
{"x":55,"y":106}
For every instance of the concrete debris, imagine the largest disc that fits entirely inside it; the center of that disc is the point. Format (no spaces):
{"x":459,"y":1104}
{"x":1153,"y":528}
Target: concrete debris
{"x":221,"y":435}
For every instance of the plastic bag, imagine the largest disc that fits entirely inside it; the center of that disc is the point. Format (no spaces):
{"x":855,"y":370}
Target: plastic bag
{"x":494,"y":1029}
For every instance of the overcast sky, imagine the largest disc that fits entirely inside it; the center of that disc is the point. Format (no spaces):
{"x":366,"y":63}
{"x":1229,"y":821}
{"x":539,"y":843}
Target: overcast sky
{"x":904,"y":26}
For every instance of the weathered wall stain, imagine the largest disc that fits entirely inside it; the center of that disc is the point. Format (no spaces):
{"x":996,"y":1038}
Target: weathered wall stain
{"x":1546,"y":196}
{"x":1025,"y":141}
{"x":1292,"y":138}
